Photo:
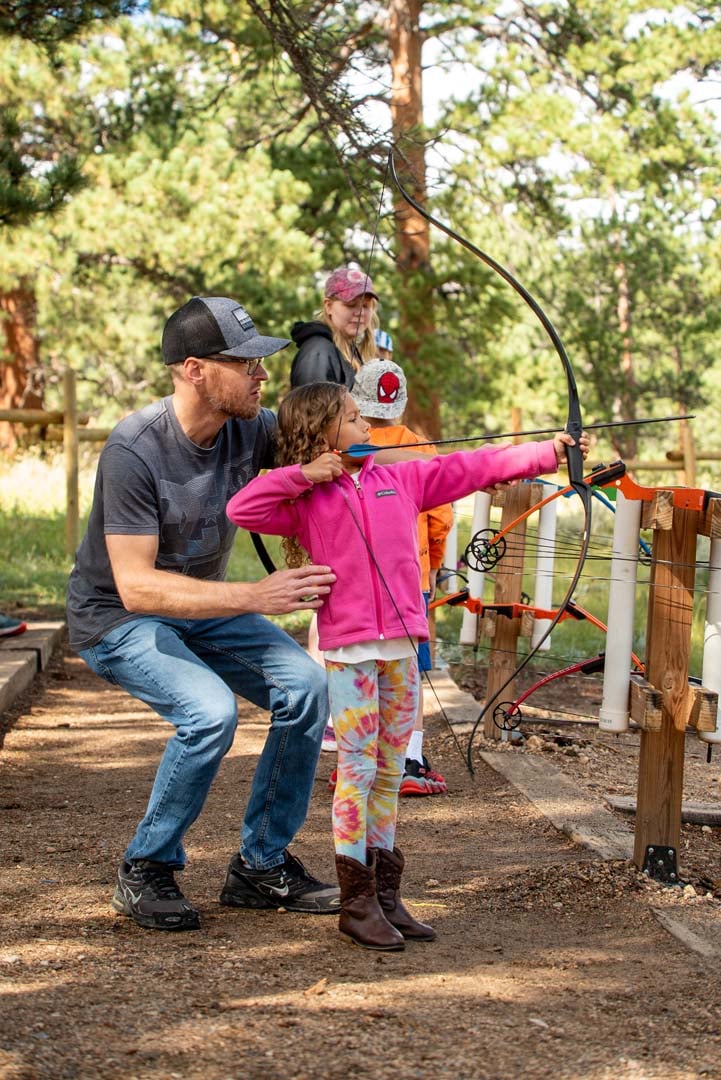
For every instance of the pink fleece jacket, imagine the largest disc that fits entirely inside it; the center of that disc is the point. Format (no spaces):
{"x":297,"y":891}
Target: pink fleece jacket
{"x":375,"y":511}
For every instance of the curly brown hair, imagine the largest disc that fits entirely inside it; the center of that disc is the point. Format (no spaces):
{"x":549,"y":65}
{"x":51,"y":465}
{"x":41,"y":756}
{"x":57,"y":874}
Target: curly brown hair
{"x":304,"y":415}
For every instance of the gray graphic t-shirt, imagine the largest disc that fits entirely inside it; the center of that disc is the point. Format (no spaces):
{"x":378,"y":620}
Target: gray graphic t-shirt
{"x":152,"y":480}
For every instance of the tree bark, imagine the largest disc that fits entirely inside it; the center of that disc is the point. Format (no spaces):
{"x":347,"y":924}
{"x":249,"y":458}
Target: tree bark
{"x":415,"y":299}
{"x":20,"y":374}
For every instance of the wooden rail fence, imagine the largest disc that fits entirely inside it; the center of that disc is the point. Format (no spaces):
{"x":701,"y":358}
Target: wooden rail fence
{"x":72,"y":434}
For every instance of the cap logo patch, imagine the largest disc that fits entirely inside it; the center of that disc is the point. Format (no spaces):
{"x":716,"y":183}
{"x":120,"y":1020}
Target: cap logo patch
{"x":242,"y":316}
{"x":388,"y":388}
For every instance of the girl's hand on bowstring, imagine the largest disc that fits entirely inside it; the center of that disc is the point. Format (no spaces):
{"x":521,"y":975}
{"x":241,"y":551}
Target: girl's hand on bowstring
{"x":326,"y":467}
{"x":563,"y":439}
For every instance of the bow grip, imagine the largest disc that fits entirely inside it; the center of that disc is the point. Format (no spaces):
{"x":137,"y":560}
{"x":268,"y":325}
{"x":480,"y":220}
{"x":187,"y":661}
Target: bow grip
{"x":574,"y":457}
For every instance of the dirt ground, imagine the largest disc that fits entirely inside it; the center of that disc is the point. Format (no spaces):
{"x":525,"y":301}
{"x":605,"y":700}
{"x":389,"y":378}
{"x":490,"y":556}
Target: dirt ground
{"x":549,"y":962}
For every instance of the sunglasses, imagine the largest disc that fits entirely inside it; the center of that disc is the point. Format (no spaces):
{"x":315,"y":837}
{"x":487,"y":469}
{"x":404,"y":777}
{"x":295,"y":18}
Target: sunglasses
{"x":253,"y":364}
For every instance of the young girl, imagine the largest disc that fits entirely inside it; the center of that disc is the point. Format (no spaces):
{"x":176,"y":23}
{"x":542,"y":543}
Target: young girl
{"x":361,"y":518}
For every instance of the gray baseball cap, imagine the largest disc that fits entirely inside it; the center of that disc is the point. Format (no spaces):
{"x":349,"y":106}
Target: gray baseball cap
{"x":215,"y":326}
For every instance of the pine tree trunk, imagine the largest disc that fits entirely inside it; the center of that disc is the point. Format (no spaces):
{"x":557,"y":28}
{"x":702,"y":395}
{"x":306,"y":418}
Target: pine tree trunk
{"x":415,"y":299}
{"x":20,"y":381}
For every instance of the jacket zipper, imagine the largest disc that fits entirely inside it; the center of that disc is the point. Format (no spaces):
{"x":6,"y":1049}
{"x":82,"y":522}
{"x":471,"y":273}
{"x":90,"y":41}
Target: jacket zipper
{"x":373,"y":568}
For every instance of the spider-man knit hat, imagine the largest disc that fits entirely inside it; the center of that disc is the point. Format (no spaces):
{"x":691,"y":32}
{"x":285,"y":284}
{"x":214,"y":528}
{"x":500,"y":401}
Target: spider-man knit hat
{"x":380,"y":390}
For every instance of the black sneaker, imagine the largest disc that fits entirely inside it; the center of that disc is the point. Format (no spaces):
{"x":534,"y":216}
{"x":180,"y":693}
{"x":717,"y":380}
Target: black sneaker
{"x":146,"y":891}
{"x":288,"y":886}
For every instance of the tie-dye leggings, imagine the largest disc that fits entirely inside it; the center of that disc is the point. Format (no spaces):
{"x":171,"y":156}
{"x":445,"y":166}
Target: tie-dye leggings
{"x":373,"y":704}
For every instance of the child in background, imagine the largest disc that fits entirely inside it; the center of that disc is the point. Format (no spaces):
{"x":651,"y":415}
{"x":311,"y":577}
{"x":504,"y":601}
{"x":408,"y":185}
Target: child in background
{"x":380,"y":392}
{"x":384,"y":344}
{"x":361,"y":518}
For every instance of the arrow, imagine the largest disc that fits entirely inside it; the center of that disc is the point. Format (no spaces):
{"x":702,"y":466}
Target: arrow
{"x":366,"y":449}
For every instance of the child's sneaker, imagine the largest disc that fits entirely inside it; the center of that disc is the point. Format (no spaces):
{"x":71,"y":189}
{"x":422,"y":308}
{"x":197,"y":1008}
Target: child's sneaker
{"x":329,"y":742}
{"x":420,"y":779}
{"x":333,"y":780}
{"x":437,"y":782}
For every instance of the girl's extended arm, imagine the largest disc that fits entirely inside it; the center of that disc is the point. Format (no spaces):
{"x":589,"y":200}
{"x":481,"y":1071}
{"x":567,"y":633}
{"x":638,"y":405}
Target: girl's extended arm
{"x":453,"y":476}
{"x":445,"y":479}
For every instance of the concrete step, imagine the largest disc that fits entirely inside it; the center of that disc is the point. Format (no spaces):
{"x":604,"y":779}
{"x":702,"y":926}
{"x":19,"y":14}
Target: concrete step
{"x":23,"y":656}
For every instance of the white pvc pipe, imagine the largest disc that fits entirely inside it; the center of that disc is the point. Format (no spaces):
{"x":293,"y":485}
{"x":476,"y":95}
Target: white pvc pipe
{"x":711,"y":673}
{"x":613,"y":715}
{"x":543,"y":589}
{"x":450,"y":554}
{"x":476,"y":578}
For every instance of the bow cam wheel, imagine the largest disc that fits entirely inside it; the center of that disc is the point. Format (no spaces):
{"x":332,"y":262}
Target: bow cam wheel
{"x":507,"y":716}
{"x":483,"y":553}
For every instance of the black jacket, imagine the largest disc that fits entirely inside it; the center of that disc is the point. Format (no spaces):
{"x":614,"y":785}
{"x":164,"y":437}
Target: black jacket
{"x":318,"y":359}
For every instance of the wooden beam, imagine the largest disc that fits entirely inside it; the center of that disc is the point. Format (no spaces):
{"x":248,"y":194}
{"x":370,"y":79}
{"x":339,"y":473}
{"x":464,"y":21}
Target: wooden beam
{"x":42,"y":417}
{"x":658,"y":513}
{"x":645,"y":704}
{"x":53,"y":434}
{"x":703,"y":709}
{"x":710,"y":524}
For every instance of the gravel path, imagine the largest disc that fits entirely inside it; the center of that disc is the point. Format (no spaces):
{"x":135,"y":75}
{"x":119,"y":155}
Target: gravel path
{"x":550,"y":962}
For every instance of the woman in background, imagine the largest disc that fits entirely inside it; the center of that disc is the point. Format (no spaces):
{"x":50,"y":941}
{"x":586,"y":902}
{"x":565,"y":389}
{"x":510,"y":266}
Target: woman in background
{"x":341,"y":338}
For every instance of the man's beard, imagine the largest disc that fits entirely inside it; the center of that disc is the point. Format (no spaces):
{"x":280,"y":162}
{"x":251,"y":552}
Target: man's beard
{"x":239,"y":410}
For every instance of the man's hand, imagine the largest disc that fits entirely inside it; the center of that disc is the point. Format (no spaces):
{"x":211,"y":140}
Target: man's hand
{"x":323,"y":468}
{"x":304,"y":588}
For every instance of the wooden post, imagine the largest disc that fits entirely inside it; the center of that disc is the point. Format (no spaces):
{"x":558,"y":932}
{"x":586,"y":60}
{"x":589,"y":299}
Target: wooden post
{"x":509,"y":586}
{"x":668,"y":647}
{"x":70,"y":446}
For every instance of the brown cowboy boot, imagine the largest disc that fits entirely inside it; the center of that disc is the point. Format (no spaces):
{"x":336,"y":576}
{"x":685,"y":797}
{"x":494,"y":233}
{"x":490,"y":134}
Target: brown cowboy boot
{"x":389,"y":868}
{"x":361,"y":919}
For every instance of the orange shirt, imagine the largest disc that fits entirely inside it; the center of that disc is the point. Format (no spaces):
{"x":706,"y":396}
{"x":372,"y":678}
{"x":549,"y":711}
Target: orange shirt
{"x":433,"y":525}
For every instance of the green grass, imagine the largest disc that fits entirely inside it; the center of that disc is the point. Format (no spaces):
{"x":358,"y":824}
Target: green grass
{"x":33,"y":566}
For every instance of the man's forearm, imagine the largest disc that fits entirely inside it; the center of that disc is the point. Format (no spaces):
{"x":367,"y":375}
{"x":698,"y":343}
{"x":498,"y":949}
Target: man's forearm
{"x":175,"y":596}
{"x":164,"y":593}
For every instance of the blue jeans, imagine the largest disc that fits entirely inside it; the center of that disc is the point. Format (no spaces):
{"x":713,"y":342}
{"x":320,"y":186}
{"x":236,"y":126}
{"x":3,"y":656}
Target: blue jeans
{"x":188,"y":671}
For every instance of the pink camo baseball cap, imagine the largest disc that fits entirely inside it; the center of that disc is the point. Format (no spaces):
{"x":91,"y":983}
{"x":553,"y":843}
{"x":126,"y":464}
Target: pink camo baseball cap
{"x":348,"y":282}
